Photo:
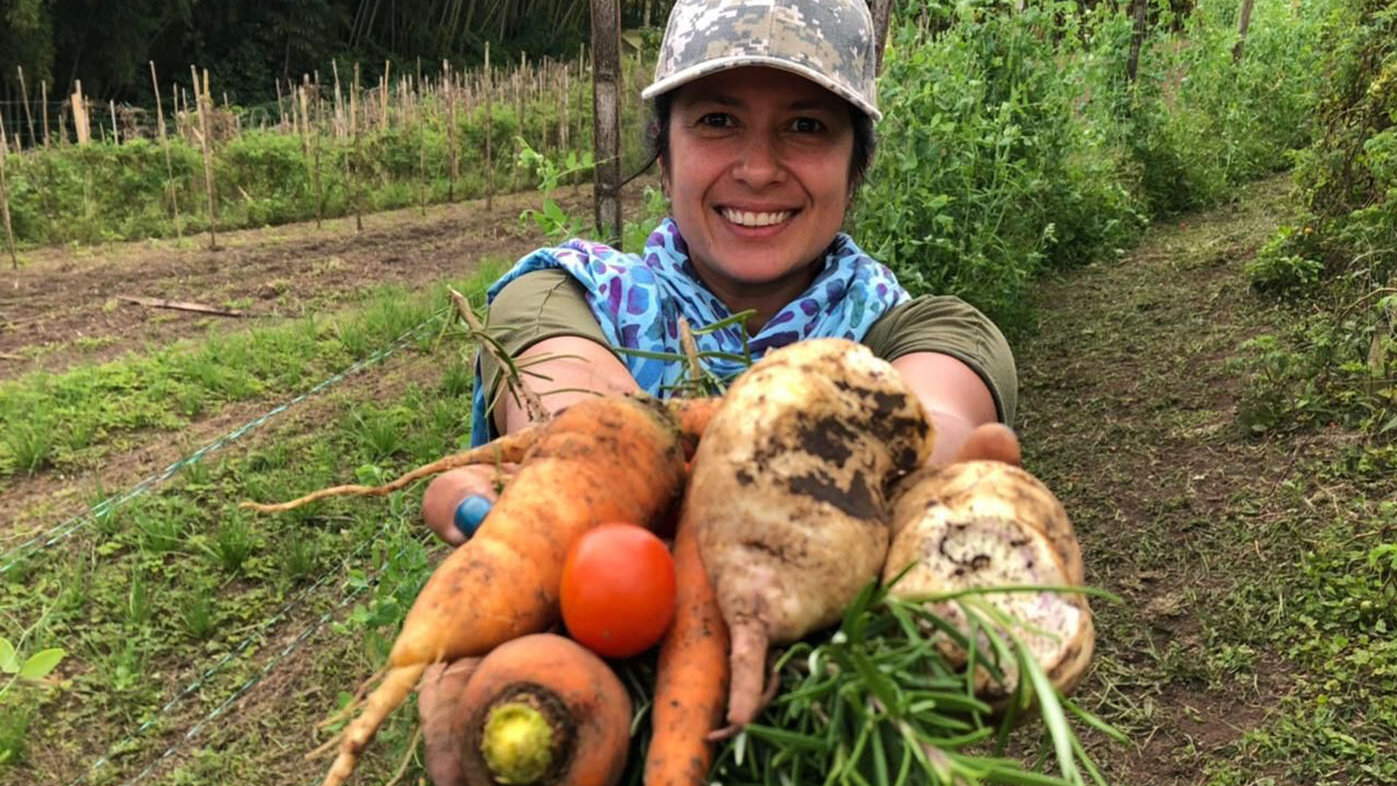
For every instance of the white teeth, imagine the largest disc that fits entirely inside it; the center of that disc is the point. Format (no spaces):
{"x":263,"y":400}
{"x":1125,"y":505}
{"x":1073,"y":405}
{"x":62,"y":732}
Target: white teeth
{"x":750,"y":219}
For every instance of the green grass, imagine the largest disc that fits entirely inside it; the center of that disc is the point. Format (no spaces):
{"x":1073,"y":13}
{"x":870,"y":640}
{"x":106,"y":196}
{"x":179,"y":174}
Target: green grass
{"x":96,"y":404}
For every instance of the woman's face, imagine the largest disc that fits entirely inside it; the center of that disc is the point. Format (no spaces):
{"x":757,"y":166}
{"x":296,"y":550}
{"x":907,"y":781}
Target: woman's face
{"x":758,"y":176}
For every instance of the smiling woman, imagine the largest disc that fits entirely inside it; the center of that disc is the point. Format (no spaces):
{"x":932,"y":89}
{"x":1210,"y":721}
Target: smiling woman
{"x":763,"y":128}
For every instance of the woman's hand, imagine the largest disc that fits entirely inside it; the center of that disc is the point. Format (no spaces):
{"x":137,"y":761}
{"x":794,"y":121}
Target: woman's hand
{"x":991,"y":442}
{"x":439,"y":707}
{"x":447,"y":490}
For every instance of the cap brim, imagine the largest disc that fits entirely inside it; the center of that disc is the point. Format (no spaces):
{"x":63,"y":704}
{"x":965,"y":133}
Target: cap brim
{"x":708,"y":67}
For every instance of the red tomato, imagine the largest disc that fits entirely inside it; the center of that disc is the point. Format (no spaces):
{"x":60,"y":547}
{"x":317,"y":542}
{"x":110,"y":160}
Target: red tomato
{"x":618,"y":590}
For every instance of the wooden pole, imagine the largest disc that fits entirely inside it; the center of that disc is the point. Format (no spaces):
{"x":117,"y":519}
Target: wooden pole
{"x":1243,"y":22}
{"x":28,"y":116}
{"x":201,"y":102}
{"x":1137,"y":38}
{"x":5,"y":198}
{"x":489,"y":127}
{"x":606,"y":121}
{"x":449,"y":83}
{"x":882,"y":17}
{"x":165,"y":146}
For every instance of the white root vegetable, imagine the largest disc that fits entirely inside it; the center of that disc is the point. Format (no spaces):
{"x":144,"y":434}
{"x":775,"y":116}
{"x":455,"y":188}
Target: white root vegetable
{"x":988,"y":524}
{"x":789,"y":494}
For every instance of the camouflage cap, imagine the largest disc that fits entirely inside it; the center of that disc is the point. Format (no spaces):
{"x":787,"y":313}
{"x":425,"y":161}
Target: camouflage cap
{"x":829,"y":42}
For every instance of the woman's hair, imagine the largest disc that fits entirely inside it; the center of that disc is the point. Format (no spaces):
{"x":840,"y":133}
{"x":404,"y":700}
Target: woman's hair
{"x":865,"y":140}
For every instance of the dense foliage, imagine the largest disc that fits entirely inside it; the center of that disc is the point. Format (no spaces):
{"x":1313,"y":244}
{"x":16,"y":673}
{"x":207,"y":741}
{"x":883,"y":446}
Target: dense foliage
{"x":1335,"y":265}
{"x":1014,"y":141}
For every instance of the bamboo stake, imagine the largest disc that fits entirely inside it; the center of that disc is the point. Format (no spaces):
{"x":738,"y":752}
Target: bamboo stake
{"x":515,"y":83}
{"x":116,"y":135}
{"x":489,"y":127}
{"x":421,"y":151}
{"x":5,"y":198}
{"x":280,"y":107}
{"x":201,"y":99}
{"x":339,"y":104}
{"x":315,"y":156}
{"x":24,"y":97}
{"x":450,"y":84}
{"x":79,"y":106}
{"x":383,"y":97}
{"x":165,"y":146}
{"x":353,"y":104}
{"x":44,"y":105}
{"x":304,"y":99}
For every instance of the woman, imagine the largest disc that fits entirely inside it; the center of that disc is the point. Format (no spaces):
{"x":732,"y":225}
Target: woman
{"x":764,"y":128}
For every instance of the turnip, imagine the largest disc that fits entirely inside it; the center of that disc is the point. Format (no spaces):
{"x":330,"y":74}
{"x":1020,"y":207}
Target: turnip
{"x":788,"y":494}
{"x":981,"y":524}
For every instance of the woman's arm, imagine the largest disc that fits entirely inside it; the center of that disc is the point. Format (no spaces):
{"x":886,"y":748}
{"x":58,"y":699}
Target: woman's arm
{"x":955,"y":398}
{"x":562,"y":371}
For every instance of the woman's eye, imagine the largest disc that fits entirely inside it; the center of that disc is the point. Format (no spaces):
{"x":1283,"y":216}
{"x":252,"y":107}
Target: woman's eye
{"x":807,"y":125}
{"x":716,"y":120}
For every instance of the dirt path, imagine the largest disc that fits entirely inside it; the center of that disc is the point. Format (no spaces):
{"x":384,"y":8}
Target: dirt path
{"x":1128,"y":414}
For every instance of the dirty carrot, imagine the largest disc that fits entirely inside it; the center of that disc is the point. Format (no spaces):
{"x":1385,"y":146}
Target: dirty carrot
{"x":691,"y":682}
{"x":543,"y":710}
{"x":615,"y":458}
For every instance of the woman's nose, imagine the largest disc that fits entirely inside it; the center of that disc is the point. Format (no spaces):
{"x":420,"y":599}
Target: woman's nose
{"x":759,"y":162}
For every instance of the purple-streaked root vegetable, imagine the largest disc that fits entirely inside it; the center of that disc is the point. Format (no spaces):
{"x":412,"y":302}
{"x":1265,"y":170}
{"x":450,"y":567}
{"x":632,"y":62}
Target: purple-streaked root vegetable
{"x":789,"y":495}
{"x":987,"y":524}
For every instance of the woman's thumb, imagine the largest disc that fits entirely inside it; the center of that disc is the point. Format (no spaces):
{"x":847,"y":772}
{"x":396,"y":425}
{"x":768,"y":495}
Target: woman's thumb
{"x":991,"y":442}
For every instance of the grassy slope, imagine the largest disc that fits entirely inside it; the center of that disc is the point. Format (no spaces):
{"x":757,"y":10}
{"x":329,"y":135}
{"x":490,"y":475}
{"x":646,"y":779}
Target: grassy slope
{"x":1244,"y":652}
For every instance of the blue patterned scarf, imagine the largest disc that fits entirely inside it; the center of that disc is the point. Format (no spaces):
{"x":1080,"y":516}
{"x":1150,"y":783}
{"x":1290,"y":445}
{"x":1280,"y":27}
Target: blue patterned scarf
{"x":637,"y":301}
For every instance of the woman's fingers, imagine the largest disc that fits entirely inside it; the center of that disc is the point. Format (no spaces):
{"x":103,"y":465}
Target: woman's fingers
{"x":991,"y":442}
{"x":457,"y":500}
{"x":438,"y":705}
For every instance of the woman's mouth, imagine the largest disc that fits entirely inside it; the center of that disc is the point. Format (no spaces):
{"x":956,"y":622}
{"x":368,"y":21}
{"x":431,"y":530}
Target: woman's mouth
{"x":755,"y":219}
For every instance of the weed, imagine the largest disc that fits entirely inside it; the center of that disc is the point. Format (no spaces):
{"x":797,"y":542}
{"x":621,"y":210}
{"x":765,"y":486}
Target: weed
{"x":198,"y":616}
{"x":30,"y":446}
{"x":14,"y":733}
{"x":138,"y":607}
{"x":456,"y":380}
{"x":378,"y":433}
{"x":300,"y":560}
{"x":233,"y":544}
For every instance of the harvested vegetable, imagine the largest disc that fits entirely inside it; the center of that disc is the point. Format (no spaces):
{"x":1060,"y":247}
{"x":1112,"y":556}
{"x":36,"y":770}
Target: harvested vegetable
{"x":615,"y":458}
{"x":691,"y":680}
{"x":543,"y":710}
{"x":978,"y":524}
{"x":788,"y":494}
{"x":618,"y":590}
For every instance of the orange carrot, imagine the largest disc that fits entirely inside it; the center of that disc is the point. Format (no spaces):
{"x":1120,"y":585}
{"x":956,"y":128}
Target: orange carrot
{"x":691,"y":683}
{"x":614,"y":458}
{"x":543,"y":710}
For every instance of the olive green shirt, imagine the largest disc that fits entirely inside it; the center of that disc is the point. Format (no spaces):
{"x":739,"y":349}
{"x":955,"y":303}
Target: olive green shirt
{"x":550,"y":303}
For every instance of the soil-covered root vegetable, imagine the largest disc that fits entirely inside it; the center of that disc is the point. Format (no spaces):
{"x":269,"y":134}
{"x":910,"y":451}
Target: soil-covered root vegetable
{"x":691,"y":679}
{"x":543,"y":710}
{"x":788,"y":494}
{"x":616,"y":458}
{"x":980,"y":524}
